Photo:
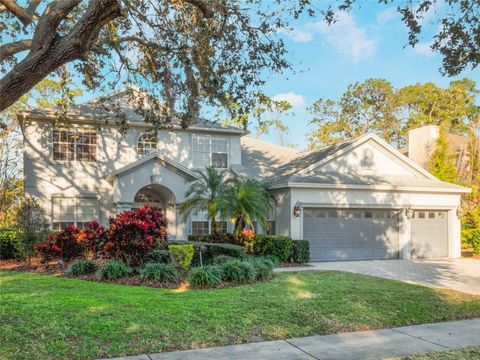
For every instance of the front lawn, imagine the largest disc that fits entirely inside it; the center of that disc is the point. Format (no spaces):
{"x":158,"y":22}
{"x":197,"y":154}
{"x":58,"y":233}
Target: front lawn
{"x":47,"y":317}
{"x":466,"y":353}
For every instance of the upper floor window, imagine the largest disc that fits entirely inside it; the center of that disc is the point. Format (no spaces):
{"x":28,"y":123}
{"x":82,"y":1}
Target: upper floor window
{"x":75,"y":144}
{"x":146,"y":144}
{"x":210,"y":151}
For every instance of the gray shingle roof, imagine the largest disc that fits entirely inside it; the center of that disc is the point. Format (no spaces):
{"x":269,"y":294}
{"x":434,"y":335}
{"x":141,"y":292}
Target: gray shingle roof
{"x":273,"y":164}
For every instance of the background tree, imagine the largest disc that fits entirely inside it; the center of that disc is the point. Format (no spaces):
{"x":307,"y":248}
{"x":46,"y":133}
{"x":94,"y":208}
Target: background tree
{"x":265,"y":116}
{"x":205,"y":194}
{"x":441,"y":163}
{"x":370,"y":106}
{"x":429,"y":104}
{"x":375,"y":106}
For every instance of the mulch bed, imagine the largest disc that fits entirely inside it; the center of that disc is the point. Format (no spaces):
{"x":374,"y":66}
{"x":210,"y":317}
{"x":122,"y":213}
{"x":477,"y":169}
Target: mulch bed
{"x":35,"y":265}
{"x":58,"y":268}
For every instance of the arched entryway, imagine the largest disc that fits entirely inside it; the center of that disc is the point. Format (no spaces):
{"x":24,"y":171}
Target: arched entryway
{"x":161,"y":197}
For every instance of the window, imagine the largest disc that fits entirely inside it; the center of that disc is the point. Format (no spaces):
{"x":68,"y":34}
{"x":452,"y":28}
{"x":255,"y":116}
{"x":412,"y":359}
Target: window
{"x":210,"y":151}
{"x":146,"y":144}
{"x":200,"y":227}
{"x":205,"y":227}
{"x":75,"y":144}
{"x":73,"y":211}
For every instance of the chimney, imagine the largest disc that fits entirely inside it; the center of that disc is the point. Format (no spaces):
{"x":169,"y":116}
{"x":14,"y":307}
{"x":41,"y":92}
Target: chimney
{"x":421,"y":143}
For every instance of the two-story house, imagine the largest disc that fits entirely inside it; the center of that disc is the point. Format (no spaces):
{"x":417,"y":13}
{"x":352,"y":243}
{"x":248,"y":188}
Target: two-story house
{"x":359,"y":199}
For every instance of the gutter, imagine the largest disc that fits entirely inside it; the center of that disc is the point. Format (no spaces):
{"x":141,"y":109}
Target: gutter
{"x":457,"y":190}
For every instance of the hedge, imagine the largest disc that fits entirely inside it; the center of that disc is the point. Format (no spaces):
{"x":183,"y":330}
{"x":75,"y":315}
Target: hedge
{"x":272,"y":245}
{"x":223,"y":238}
{"x":471,"y":237}
{"x":300,"y":252}
{"x":211,"y":250}
{"x":11,"y":244}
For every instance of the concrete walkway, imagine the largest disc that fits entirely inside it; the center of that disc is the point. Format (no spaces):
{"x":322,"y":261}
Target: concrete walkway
{"x":457,"y":274}
{"x":377,"y":344}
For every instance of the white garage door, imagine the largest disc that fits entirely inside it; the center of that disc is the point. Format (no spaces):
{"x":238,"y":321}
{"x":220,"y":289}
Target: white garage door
{"x":351,"y":234}
{"x":429,"y":234}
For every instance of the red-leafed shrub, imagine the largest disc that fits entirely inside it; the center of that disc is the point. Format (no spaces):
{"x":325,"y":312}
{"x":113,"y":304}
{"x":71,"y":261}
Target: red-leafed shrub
{"x":92,"y":239}
{"x":132,"y":234}
{"x":69,"y":241}
{"x":48,"y":249}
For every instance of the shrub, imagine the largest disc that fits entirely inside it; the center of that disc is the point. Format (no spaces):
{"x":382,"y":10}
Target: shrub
{"x":31,"y":219}
{"x":82,"y":267}
{"x":114,"y":269}
{"x":11,"y":244}
{"x":211,"y":251}
{"x":181,"y":256}
{"x":159,"y":272}
{"x":263,"y":267}
{"x":69,"y":241}
{"x":220,"y":259}
{"x":132,"y":234}
{"x":300,"y":252}
{"x":278,"y":246}
{"x":238,"y":271}
{"x":48,"y":250}
{"x":223,"y":238}
{"x":471,"y":237}
{"x":158,"y":256}
{"x":92,"y":239}
{"x":205,"y":276}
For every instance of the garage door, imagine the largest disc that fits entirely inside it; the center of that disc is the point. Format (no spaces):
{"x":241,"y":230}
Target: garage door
{"x":352,"y":234}
{"x":429,"y":234}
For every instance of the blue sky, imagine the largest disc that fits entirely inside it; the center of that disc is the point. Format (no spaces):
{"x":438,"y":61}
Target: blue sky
{"x":367,"y":42}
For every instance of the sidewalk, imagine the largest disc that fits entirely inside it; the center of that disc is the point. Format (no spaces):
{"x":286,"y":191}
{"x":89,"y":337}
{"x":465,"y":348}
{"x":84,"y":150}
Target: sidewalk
{"x":377,"y":344}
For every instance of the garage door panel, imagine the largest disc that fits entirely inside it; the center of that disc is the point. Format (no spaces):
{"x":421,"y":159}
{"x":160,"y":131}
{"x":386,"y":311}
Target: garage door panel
{"x":351,"y":234}
{"x":429,"y":234}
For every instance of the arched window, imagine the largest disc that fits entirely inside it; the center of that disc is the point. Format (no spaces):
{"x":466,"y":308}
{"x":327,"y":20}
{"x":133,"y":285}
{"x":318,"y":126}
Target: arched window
{"x":147,"y":143}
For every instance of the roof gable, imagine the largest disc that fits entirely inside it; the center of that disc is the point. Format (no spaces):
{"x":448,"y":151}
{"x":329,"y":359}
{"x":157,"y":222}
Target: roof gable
{"x":365,"y":154}
{"x":155,"y":156}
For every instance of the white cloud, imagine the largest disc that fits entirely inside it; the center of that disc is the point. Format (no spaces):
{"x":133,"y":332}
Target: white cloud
{"x":298,"y":35}
{"x":423,"y":49}
{"x":386,"y":15}
{"x":348,"y":38}
{"x":296,"y":100}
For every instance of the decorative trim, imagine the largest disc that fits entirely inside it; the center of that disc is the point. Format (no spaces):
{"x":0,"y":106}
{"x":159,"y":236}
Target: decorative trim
{"x":153,"y":155}
{"x":361,"y":140}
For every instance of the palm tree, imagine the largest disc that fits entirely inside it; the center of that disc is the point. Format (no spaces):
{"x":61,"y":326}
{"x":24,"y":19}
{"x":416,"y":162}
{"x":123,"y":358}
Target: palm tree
{"x":205,"y":193}
{"x":245,"y":201}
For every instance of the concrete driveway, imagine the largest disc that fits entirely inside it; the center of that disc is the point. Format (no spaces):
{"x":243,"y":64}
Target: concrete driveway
{"x":457,"y":274}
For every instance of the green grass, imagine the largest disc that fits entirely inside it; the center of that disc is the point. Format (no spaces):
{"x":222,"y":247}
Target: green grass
{"x":47,"y":317}
{"x":466,"y":353}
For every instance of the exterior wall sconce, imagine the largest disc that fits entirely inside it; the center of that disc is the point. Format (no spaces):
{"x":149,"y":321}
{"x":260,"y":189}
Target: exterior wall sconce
{"x":297,"y":209}
{"x":410,"y":213}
